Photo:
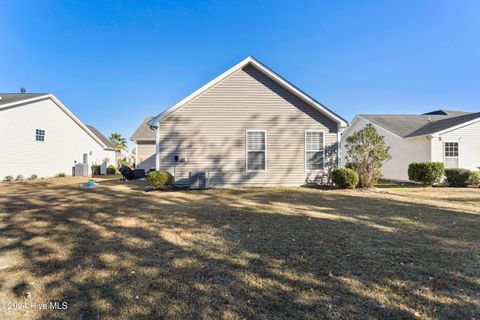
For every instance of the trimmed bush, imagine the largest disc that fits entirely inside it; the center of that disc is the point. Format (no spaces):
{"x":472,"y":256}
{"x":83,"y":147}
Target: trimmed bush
{"x":159,"y":179}
{"x":345,"y":178}
{"x":61,"y":175}
{"x":427,"y":173}
{"x":457,"y":177}
{"x":33,"y":177}
{"x":474,"y":179}
{"x":111,"y":169}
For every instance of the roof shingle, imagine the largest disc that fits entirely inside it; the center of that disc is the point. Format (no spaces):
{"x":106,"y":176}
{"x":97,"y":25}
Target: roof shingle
{"x":416,"y":125}
{"x":144,"y":131}
{"x":6,"y":98}
{"x":100,"y":136}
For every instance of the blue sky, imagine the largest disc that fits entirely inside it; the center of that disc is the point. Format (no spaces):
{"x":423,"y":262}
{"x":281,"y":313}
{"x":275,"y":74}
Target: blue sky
{"x":114,"y":63}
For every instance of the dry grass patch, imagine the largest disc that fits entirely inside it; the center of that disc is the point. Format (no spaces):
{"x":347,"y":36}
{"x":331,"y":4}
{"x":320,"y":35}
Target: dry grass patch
{"x":118,"y":252}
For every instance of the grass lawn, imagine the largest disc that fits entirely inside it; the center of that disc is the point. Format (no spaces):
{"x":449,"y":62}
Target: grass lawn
{"x":117,"y":252}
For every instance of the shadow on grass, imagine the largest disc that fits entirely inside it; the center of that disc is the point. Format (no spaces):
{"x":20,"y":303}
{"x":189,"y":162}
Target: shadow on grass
{"x":119,"y":252}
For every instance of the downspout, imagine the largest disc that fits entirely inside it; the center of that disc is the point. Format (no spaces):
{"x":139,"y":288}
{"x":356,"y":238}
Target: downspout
{"x":136,"y":153}
{"x":157,"y":147}
{"x":339,"y":144}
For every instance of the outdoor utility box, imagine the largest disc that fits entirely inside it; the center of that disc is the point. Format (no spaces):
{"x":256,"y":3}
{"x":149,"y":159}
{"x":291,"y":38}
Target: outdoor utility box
{"x":199,"y":180}
{"x":138,"y":173}
{"x":81,"y":169}
{"x":103,"y":168}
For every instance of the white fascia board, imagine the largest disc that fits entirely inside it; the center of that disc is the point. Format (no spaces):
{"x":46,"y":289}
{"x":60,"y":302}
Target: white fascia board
{"x":11,"y":104}
{"x":250,"y":60}
{"x":456,"y":127}
{"x":63,"y":108}
{"x":76,"y":120}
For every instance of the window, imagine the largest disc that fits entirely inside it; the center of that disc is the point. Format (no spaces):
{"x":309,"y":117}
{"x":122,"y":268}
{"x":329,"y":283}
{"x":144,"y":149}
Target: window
{"x":256,"y":150}
{"x":451,"y":154}
{"x":39,"y":135}
{"x":314,"y":150}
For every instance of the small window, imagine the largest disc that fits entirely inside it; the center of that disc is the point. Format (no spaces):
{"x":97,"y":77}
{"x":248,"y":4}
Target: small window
{"x":451,"y":154}
{"x":256,"y":150}
{"x":39,"y":135}
{"x":314,"y":150}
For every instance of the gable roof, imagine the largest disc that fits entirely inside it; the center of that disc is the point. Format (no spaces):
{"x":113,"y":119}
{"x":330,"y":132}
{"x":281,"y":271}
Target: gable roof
{"x":11,"y":100}
{"x":407,"y":126}
{"x":100,"y":136}
{"x":268,"y":72}
{"x":144,"y":131}
{"x":8,"y":98}
{"x":444,"y":124}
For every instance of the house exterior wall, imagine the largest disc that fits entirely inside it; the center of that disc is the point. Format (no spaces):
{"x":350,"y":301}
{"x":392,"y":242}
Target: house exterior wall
{"x":210,"y":133}
{"x":468,"y":138}
{"x":65,"y":141}
{"x":145,"y":154}
{"x":403,"y":151}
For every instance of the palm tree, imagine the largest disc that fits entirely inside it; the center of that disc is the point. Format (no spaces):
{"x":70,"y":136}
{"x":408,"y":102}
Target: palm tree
{"x":119,"y":141}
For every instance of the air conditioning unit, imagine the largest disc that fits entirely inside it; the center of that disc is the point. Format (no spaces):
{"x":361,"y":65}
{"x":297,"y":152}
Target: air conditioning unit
{"x":199,"y":180}
{"x":81,"y":169}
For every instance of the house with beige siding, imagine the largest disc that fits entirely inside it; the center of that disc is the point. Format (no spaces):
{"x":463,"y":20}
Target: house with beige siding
{"x":451,"y":137}
{"x":247,"y":127}
{"x":41,"y":136}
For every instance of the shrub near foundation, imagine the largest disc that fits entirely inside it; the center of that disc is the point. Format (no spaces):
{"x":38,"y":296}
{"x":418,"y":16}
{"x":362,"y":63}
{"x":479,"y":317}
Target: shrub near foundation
{"x":427,"y":173}
{"x":345,"y":178}
{"x":159,"y":179}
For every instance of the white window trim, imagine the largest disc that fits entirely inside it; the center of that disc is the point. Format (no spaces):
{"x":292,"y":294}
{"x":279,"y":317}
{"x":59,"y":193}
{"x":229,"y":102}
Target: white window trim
{"x":444,"y":151}
{"x":305,"y":149}
{"x":44,"y":135}
{"x":246,"y":150}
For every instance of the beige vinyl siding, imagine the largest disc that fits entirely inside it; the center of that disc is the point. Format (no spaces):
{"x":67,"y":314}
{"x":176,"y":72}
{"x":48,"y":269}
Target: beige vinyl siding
{"x":210,"y":132}
{"x":145,"y":154}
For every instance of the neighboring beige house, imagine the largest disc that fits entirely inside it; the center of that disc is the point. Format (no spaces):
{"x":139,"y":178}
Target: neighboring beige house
{"x":40,"y":136}
{"x":248,"y":127}
{"x":451,"y":137}
{"x":144,"y":141}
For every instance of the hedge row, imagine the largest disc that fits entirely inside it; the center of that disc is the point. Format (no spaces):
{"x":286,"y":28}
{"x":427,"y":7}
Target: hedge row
{"x":430,"y":173}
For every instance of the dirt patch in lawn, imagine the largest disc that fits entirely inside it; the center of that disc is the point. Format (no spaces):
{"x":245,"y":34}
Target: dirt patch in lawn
{"x":119,"y":252}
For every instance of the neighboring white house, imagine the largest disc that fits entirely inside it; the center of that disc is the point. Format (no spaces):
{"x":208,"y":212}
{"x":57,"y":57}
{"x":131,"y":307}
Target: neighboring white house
{"x":451,"y":137}
{"x":39,"y":135}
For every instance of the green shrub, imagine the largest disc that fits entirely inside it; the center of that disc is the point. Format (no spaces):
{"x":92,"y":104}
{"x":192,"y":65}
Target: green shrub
{"x":457,"y":177}
{"x":124,"y":163}
{"x":8,"y":179}
{"x":111,"y":169}
{"x":427,"y":173}
{"x":474,"y":179}
{"x":345,"y":178}
{"x":159,"y":179}
{"x":19,"y":178}
{"x":33,"y":177}
{"x":61,"y":175}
